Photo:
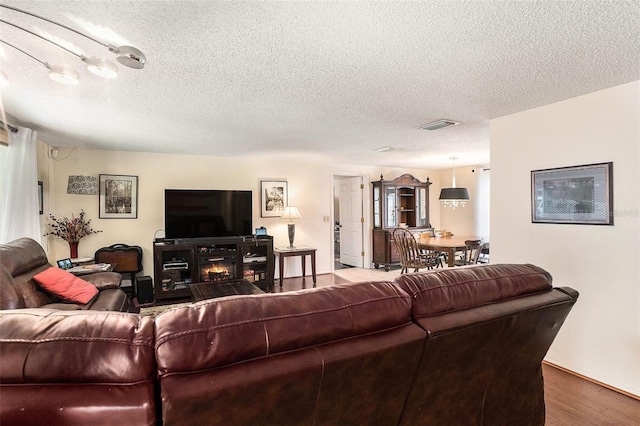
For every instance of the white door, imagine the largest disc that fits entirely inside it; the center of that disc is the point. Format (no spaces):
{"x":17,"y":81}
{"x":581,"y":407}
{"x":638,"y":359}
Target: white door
{"x":351,"y":221}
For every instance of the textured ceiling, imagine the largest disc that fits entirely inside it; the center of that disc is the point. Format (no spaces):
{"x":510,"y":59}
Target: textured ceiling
{"x":336,"y":79}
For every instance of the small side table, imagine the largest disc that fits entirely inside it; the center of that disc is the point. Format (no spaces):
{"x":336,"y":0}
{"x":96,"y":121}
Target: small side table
{"x":301,"y":251}
{"x":91,"y":269}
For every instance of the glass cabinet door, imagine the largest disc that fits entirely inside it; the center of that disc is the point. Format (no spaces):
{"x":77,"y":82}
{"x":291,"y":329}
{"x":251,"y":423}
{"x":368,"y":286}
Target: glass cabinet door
{"x":391,"y":206}
{"x":377,"y":207}
{"x":421,"y":207}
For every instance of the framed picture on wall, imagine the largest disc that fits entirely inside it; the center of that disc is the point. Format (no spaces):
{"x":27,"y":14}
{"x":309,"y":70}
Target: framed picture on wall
{"x":576,"y":195}
{"x":273,"y":197}
{"x":118,"y":197}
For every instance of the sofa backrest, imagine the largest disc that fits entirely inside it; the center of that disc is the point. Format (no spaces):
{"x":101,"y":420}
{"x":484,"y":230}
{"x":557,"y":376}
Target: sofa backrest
{"x":22,"y":259}
{"x":10,"y":295}
{"x":489,"y":327}
{"x":78,"y":367}
{"x":343,"y":354}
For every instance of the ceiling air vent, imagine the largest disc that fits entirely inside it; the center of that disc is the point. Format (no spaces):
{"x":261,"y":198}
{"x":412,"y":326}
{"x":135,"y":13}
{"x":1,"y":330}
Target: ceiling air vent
{"x":438,"y":124}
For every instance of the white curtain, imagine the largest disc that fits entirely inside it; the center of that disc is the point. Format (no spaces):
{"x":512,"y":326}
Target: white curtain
{"x":19,"y":203}
{"x":482,"y":203}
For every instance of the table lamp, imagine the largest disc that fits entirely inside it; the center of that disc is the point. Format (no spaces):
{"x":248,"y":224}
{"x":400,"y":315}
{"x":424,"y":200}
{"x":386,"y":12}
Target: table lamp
{"x":291,"y":213}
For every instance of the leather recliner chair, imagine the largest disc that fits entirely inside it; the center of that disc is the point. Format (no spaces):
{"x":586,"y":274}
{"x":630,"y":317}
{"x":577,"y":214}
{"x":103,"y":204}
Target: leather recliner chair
{"x":22,"y":259}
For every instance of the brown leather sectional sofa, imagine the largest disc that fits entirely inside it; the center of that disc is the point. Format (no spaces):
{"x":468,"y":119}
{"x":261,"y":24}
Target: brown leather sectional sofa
{"x":452,"y":347}
{"x":22,"y":259}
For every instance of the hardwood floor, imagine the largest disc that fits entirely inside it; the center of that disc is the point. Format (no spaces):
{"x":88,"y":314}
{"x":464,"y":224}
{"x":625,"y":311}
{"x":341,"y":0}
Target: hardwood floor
{"x":570,"y":400}
{"x":300,"y":283}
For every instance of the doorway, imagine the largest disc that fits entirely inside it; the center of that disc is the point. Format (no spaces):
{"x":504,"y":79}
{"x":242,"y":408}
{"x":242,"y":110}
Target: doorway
{"x":348,"y":221}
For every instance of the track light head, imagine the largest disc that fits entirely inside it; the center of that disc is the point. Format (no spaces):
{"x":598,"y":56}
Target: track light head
{"x":129,"y":56}
{"x":64,"y":75}
{"x":101,"y":67}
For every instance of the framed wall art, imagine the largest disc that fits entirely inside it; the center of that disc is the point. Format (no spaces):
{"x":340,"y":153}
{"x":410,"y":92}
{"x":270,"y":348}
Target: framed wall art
{"x":576,"y":195}
{"x":118,"y":197}
{"x":273,"y":197}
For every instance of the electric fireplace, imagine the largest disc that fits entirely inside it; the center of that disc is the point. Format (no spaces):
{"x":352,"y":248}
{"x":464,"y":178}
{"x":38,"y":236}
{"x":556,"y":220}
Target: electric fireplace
{"x":213,"y":269}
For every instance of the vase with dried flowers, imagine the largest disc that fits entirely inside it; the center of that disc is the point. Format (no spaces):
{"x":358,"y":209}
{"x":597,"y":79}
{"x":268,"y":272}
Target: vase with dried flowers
{"x":71,"y":230}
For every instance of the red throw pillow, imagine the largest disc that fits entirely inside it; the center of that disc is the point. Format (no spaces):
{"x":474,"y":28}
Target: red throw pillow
{"x":66,"y":285}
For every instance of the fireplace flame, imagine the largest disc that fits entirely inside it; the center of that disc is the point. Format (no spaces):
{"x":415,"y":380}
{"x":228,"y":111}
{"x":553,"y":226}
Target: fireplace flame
{"x":214,"y":273}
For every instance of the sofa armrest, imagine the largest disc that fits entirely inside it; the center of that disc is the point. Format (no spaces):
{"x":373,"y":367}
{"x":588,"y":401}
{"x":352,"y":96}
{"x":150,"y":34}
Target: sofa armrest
{"x":104,"y":280}
{"x":569,"y":292}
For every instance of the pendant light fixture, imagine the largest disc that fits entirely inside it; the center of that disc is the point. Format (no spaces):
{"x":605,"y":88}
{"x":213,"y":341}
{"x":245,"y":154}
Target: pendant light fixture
{"x":454,"y":197}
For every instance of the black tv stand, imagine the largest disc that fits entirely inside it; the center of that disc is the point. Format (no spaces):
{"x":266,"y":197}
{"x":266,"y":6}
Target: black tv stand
{"x":215,"y":259}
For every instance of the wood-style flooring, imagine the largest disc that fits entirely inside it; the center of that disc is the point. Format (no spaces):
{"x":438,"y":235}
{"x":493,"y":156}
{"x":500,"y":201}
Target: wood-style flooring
{"x":300,"y":283}
{"x":570,"y":400}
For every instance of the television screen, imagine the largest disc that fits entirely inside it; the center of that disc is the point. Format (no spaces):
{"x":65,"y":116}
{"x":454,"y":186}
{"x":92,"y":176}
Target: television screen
{"x":196,"y":213}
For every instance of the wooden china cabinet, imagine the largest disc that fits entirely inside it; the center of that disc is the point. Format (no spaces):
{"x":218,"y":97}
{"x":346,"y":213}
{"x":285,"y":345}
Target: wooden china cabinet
{"x":402,"y":202}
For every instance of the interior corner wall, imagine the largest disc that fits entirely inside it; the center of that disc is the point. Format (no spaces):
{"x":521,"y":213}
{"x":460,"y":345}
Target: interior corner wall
{"x":601,"y":337}
{"x":310,"y":188}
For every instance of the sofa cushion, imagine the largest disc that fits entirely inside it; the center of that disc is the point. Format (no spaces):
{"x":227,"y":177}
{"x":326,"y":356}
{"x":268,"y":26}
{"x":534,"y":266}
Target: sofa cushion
{"x":462,"y":288}
{"x":237,"y":328}
{"x":21,"y":255}
{"x":10,"y":297}
{"x":66,"y":285}
{"x":33,"y":295}
{"x":78,"y":367}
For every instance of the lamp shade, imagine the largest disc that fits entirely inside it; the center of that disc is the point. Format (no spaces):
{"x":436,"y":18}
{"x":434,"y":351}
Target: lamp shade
{"x":290,"y":213}
{"x":84,"y":185}
{"x":454,"y":194}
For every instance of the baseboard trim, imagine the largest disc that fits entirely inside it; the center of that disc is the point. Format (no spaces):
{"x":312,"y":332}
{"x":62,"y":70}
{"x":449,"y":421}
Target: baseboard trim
{"x":589,"y":379}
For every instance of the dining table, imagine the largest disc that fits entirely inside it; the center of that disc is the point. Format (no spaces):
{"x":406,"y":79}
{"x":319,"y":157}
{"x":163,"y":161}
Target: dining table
{"x":449,"y":245}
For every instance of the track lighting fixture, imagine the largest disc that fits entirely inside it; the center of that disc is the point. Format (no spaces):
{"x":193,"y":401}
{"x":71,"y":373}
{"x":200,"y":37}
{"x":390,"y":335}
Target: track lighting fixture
{"x":58,"y":73}
{"x":126,"y":55}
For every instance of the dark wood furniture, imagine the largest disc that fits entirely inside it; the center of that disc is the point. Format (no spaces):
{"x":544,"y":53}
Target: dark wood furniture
{"x":402,"y":202}
{"x":411,"y":256}
{"x":448,"y":245}
{"x":204,"y":291}
{"x":470,"y":254}
{"x":303,"y":252}
{"x":182,"y":262}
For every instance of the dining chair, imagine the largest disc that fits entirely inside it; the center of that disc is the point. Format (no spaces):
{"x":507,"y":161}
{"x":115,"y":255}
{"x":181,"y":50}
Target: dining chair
{"x":471,"y":253}
{"x":411,"y":256}
{"x":484,"y":253}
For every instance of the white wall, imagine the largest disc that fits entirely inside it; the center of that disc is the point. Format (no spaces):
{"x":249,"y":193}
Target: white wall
{"x":601,"y":337}
{"x":310,"y":185}
{"x":461,"y":220}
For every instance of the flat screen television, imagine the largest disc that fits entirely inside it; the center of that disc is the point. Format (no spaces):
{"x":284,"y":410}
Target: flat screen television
{"x":199,"y":213}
